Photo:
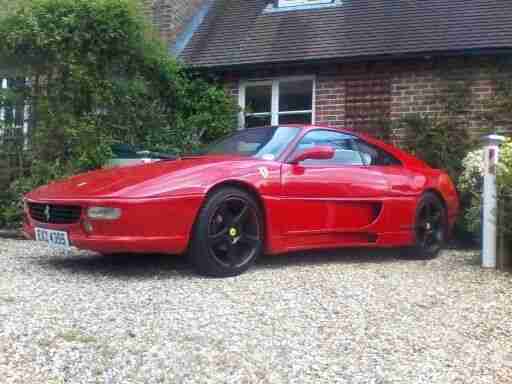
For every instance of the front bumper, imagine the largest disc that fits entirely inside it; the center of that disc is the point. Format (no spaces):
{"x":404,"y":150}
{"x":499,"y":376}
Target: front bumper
{"x":160,"y":225}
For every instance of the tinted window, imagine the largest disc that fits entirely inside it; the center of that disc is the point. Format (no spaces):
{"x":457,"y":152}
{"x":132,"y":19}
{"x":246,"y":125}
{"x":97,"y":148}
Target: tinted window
{"x":345,"y":152}
{"x":375,"y":156}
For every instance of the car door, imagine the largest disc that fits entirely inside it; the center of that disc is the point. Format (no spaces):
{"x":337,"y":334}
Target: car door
{"x":338,"y":195}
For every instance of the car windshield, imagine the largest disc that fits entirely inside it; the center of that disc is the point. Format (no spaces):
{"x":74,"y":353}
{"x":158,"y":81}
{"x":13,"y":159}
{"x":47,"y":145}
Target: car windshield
{"x":264,"y":143}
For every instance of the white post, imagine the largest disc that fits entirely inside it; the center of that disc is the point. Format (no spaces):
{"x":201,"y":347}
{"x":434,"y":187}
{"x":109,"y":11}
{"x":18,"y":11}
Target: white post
{"x":3,"y":85}
{"x":26,"y":119}
{"x":491,"y":158}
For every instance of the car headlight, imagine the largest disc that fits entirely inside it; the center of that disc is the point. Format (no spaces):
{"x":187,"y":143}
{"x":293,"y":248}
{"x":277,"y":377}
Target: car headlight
{"x":103,"y":213}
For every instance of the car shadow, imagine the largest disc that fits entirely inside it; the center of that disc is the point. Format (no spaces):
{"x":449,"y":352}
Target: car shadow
{"x":150,"y":266}
{"x":127,"y":266}
{"x":331,"y":256}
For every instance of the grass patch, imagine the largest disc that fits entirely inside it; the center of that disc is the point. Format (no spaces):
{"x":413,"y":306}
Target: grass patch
{"x":75,"y":336}
{"x":56,"y":381}
{"x":7,"y":299}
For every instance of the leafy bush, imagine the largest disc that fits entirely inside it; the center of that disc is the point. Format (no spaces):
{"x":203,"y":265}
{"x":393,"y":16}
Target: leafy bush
{"x":11,"y":204}
{"x":470,"y":184}
{"x":98,"y":77}
{"x":431,"y":138}
{"x":504,"y":181}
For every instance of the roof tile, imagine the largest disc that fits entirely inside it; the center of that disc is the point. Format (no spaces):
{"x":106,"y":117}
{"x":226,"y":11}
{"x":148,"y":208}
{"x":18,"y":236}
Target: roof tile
{"x":241,"y":32}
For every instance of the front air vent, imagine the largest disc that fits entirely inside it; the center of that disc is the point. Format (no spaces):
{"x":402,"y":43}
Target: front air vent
{"x":55,"y":214}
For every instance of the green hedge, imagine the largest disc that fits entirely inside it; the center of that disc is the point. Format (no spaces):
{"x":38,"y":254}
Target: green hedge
{"x":98,"y":77}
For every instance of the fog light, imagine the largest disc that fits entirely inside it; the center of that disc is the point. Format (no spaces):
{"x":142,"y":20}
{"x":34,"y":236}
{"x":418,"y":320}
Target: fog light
{"x":103,"y":213}
{"x":87,"y":226}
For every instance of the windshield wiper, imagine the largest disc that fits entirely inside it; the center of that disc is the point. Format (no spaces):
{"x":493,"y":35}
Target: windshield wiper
{"x":158,"y":155}
{"x":193,"y":154}
{"x":165,"y":156}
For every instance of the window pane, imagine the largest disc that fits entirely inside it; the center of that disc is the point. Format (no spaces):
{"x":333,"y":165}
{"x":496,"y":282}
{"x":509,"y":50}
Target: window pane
{"x":280,"y":140}
{"x":375,"y":156}
{"x":296,"y":95}
{"x":345,"y":152}
{"x":256,"y":121}
{"x":302,"y":118}
{"x":258,"y":98}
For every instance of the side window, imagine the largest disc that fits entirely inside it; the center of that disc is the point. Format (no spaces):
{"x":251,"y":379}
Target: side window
{"x":345,"y":152}
{"x":375,"y":156}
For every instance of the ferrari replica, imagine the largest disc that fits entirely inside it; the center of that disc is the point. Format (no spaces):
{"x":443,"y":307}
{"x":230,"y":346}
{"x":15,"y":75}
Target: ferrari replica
{"x":261,"y":190}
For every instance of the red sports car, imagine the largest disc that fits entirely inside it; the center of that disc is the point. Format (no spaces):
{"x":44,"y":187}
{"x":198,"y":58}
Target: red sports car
{"x":261,"y":190}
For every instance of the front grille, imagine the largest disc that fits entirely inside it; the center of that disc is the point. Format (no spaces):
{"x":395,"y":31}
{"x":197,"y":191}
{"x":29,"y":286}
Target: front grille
{"x":54,"y":214}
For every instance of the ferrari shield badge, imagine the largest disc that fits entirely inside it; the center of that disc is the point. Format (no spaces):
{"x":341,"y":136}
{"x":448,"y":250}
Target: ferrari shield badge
{"x":263,"y":172}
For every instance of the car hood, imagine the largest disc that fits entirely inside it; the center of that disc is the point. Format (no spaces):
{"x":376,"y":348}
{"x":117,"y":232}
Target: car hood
{"x":187,"y":175}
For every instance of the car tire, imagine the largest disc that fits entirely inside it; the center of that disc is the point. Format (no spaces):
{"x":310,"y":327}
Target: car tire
{"x":430,"y":228}
{"x":228,"y":234}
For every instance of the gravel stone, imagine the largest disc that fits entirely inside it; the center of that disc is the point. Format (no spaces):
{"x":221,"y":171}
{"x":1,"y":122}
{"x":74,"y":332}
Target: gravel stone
{"x":346,"y":316}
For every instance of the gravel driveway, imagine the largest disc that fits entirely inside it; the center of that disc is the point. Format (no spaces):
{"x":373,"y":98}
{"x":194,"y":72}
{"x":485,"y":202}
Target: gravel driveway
{"x":329,"y":317}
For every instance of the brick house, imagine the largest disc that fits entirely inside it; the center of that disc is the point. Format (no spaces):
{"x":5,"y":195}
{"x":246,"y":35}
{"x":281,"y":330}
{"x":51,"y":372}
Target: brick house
{"x":343,"y":63}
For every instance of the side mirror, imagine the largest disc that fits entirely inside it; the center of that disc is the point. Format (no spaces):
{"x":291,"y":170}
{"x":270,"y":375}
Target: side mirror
{"x":322,"y":152}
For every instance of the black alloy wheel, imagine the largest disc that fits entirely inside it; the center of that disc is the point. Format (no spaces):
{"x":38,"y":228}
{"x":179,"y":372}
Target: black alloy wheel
{"x":430,"y":228}
{"x":228,"y":235}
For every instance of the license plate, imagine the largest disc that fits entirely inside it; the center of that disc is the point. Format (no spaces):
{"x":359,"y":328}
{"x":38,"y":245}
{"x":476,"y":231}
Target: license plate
{"x":54,"y":238}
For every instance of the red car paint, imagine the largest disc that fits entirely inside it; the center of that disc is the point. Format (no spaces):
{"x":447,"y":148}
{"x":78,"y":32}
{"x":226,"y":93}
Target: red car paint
{"x":304,"y":207}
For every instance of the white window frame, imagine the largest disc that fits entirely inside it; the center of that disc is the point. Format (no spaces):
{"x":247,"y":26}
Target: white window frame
{"x":298,"y":3}
{"x":26,"y":116}
{"x":274,"y":111}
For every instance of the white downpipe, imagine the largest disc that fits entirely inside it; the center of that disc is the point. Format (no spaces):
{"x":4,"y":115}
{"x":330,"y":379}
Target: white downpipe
{"x":490,"y":203}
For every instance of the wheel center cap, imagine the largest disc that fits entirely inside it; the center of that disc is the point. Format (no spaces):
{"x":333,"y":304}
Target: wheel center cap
{"x":428,"y":226}
{"x":233,"y":232}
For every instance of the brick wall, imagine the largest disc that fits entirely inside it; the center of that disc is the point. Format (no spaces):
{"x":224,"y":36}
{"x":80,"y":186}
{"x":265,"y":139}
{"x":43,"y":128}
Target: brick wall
{"x":416,"y":87}
{"x":169,"y":17}
{"x":361,"y":95}
{"x":330,"y":99}
{"x":353,"y":95}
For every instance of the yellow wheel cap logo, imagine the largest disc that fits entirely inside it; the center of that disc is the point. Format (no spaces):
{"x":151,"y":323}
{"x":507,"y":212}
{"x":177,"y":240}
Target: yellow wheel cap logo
{"x":232,"y":232}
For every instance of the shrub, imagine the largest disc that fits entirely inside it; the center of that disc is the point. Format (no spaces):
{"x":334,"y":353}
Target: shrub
{"x":470,"y":184}
{"x":11,"y":204}
{"x":431,"y":138}
{"x":98,"y":77}
{"x":504,"y":181}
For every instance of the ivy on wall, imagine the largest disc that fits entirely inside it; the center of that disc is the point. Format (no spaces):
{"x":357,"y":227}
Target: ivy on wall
{"x":441,"y":138}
